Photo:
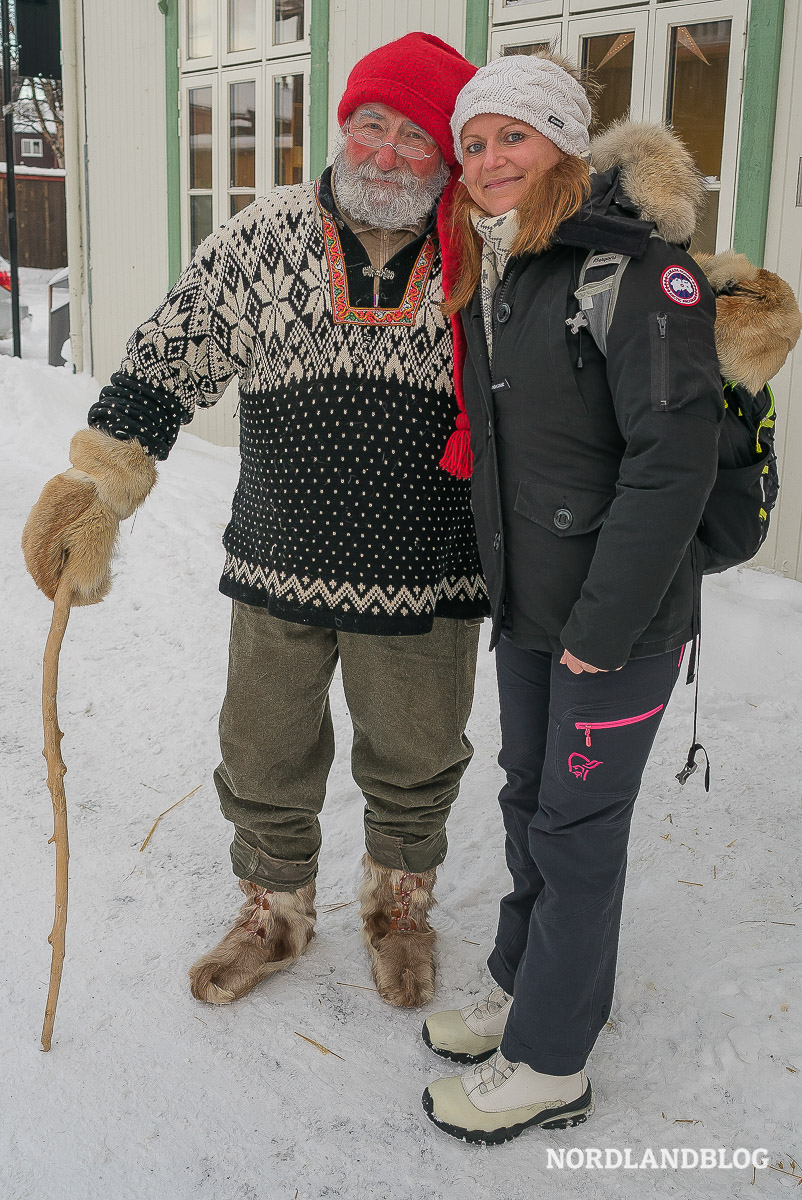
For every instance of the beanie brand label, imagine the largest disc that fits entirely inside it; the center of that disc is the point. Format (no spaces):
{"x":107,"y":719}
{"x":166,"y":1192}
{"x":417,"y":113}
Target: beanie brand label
{"x":556,"y":121}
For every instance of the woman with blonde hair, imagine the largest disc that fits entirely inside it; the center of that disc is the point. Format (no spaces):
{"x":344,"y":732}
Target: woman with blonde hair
{"x":590,"y":474}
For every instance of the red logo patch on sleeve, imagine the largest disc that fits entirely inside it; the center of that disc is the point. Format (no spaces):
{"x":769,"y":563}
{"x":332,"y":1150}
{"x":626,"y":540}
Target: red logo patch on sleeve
{"x":680,"y":286}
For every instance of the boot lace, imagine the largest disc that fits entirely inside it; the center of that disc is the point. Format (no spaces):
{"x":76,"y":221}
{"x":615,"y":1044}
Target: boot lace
{"x":262,"y":905}
{"x":403,"y":891}
{"x":494,"y":1072}
{"x":484,"y":1009}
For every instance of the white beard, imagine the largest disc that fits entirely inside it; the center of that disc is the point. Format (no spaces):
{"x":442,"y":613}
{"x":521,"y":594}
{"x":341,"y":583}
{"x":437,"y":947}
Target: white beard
{"x":371,"y":202}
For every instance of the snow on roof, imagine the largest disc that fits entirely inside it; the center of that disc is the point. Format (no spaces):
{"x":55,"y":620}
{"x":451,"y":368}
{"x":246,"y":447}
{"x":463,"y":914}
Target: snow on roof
{"x":20,"y":171}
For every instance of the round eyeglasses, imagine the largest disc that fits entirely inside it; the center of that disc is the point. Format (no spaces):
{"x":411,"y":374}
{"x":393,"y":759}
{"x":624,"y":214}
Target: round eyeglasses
{"x":371,"y":134}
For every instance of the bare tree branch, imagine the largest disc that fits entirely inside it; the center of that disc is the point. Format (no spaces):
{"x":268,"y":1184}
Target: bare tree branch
{"x":47,"y":96}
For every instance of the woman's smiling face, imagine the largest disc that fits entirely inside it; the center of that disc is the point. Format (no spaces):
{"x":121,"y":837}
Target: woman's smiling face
{"x":501,"y":158}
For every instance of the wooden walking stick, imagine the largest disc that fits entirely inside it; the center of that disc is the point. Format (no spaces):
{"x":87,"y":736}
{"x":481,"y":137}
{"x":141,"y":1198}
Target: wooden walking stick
{"x":55,"y":782}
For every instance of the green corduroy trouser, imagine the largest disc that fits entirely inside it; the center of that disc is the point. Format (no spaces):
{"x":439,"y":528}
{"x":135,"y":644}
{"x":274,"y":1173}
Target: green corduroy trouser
{"x":409,"y":700}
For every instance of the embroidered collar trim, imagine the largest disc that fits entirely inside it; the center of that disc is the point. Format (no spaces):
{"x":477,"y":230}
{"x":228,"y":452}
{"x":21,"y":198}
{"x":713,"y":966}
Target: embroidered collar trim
{"x":347,"y":314}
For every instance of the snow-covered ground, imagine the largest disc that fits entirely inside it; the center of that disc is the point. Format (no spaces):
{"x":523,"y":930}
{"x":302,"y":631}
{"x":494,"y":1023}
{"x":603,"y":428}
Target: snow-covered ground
{"x":149,"y":1095}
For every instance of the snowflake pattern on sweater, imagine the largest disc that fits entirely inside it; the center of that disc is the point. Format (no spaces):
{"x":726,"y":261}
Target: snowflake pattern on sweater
{"x":342,"y":516}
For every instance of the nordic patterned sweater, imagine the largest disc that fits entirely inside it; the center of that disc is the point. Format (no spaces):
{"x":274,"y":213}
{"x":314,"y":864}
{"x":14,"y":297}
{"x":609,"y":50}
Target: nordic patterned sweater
{"x":342,"y":516}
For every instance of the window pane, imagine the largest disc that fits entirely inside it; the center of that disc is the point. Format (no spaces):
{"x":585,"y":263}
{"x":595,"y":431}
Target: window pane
{"x":200,"y":138}
{"x":705,"y":236}
{"x":200,"y":219}
{"x":241,"y":25}
{"x":288,"y":21}
{"x":240,"y":201}
{"x":200,"y":14}
{"x":697,"y":90}
{"x":242,"y":135}
{"x":610,"y":57}
{"x":288,"y":128}
{"x":527,"y":48}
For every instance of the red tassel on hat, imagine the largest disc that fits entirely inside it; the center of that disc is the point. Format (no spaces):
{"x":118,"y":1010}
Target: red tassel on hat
{"x":457,"y":458}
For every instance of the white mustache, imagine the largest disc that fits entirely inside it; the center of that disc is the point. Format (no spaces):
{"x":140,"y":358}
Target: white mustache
{"x":383,"y":207}
{"x":370,"y":173}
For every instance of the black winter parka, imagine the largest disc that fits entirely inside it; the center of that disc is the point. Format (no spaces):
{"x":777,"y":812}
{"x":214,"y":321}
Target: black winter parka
{"x":590,"y":474}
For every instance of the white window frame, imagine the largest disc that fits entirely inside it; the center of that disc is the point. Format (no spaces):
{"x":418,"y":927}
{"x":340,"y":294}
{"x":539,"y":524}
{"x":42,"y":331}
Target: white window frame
{"x":250,"y":74}
{"x":190,"y":83}
{"x":618,"y":22}
{"x":527,"y":10}
{"x":591,"y":7}
{"x":289,"y":49}
{"x":669,"y":15}
{"x":196,"y":64}
{"x":284,"y":66}
{"x":230,"y":58}
{"x":520,"y":35}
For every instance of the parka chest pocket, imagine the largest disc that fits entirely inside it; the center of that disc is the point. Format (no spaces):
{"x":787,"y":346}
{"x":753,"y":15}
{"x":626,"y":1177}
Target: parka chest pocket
{"x":565,"y":511}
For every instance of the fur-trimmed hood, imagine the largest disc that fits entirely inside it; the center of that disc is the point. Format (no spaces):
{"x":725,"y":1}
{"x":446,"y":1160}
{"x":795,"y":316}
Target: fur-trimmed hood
{"x":656,"y":172}
{"x":758,"y":321}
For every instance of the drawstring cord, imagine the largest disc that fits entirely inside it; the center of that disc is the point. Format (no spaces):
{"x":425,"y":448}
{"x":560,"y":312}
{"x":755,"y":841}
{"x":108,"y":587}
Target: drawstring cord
{"x":694,"y":667}
{"x":691,"y":764}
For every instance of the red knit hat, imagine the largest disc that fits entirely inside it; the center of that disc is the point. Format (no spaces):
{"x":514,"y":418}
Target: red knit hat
{"x":419,"y":76}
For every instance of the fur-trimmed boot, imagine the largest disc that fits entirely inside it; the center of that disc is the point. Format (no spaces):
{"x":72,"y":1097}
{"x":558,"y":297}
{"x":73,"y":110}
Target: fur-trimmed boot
{"x":271,"y":931}
{"x":399,"y":938}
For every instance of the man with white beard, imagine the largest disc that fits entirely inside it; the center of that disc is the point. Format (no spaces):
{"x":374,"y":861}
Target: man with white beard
{"x":347,"y":542}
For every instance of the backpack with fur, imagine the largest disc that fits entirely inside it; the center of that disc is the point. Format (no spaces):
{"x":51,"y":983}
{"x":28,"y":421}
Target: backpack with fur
{"x":757,"y":325}
{"x":736,"y":517}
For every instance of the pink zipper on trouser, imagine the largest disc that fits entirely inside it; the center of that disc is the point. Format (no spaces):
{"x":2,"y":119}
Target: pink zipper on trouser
{"x":588,"y":725}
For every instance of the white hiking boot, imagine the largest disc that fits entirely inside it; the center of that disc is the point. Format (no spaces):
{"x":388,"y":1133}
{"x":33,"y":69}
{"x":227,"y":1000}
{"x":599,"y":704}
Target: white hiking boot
{"x":470,"y":1034}
{"x":495,"y":1101}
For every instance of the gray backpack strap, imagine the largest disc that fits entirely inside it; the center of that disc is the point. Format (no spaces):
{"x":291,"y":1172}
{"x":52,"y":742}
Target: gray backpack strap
{"x":597,"y":293}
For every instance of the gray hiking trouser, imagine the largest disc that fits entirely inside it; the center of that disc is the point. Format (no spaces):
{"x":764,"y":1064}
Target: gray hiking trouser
{"x":574,"y":748}
{"x":409,"y":700}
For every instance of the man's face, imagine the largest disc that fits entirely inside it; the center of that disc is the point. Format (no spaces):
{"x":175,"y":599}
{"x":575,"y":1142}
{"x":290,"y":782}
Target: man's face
{"x":376,"y":184}
{"x":380,"y":122}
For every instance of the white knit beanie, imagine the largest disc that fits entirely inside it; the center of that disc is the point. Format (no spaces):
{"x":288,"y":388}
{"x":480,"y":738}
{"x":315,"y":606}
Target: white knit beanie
{"x":531,"y":89}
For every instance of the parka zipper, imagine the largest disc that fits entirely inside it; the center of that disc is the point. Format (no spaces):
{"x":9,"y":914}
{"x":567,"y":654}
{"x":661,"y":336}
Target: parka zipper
{"x":505,"y":283}
{"x":588,"y":725}
{"x":660,"y":358}
{"x":498,"y":300}
{"x":497,"y":385}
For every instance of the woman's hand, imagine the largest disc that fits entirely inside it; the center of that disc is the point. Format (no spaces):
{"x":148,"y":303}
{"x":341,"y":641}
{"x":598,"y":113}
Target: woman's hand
{"x":577,"y":666}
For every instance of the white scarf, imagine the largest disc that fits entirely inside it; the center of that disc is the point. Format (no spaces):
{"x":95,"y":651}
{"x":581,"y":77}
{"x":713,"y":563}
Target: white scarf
{"x":498,"y":235}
